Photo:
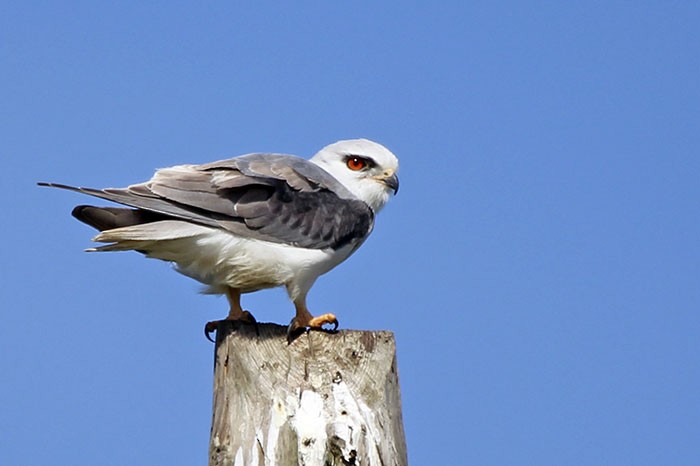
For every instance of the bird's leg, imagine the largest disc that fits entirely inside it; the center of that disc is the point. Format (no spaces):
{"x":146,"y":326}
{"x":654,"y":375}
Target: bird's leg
{"x":304,"y":320}
{"x":235,"y":312}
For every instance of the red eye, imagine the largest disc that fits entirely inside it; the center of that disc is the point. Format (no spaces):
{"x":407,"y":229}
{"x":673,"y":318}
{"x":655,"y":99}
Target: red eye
{"x":356,"y":163}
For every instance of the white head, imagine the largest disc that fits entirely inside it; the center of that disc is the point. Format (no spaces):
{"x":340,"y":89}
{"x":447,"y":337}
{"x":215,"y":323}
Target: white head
{"x":367,"y":169}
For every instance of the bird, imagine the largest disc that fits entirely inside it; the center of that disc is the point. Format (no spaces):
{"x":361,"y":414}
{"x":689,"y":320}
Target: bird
{"x":252,"y":222}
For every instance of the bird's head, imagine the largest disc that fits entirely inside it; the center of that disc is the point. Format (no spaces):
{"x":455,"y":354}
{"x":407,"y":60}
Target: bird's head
{"x":367,"y":169}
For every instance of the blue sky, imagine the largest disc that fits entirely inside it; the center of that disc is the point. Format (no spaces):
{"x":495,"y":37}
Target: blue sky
{"x":539,"y":266}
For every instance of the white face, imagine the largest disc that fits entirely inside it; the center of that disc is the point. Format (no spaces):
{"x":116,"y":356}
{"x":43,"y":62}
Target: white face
{"x":367,"y":169}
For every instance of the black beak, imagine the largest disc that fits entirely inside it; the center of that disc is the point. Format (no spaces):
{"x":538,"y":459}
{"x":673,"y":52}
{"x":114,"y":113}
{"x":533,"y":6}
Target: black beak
{"x":393,"y":182}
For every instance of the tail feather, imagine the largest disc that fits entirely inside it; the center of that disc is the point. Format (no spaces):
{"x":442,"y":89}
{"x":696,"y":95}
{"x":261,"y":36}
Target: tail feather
{"x":157,"y":234}
{"x":138,"y":246}
{"x":109,"y":218}
{"x":154,"y":231}
{"x":141,"y":198}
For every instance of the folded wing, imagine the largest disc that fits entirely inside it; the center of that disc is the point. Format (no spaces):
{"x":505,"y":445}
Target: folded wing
{"x":277,"y":198}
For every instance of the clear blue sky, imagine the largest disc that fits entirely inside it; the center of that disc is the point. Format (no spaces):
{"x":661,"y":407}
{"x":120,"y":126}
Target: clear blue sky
{"x":540,"y":266}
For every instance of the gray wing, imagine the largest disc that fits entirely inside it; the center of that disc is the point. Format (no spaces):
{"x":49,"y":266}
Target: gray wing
{"x":277,"y":198}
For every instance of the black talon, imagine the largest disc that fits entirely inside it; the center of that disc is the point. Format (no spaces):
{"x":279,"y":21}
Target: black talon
{"x":209,"y":328}
{"x":213,"y":326}
{"x":293,"y":331}
{"x":248,"y":318}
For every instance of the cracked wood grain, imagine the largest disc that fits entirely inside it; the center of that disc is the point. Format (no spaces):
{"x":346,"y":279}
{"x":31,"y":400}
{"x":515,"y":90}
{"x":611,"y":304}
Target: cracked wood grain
{"x":325,"y":400}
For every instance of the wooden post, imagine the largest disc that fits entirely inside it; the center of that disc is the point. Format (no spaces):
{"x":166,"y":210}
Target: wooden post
{"x":325,"y":400}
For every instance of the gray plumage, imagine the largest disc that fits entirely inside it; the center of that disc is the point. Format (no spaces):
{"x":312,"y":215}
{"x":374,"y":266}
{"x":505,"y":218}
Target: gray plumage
{"x":252,"y":222}
{"x":270,"y":197}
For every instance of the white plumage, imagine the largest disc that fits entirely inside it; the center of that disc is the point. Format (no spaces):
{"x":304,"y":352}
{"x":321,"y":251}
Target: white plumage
{"x":253,"y":222}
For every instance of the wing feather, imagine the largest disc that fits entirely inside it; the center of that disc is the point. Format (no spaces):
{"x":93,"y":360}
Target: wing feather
{"x":271,"y":197}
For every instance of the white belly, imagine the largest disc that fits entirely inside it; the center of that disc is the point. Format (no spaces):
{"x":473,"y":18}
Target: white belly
{"x":220,"y":259}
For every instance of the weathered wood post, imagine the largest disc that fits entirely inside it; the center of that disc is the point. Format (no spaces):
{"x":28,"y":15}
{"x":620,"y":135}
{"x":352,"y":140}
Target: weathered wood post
{"x":324,"y":400}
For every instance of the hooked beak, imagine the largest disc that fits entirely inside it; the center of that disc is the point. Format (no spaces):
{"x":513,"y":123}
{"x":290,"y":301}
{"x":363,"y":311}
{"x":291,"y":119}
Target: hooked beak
{"x":392,"y":181}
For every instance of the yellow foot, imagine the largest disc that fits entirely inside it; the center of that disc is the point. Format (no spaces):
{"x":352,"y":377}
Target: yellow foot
{"x":320,"y":321}
{"x":297,"y":326}
{"x":213,"y":326}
